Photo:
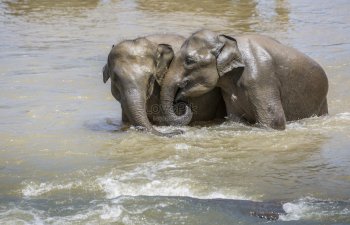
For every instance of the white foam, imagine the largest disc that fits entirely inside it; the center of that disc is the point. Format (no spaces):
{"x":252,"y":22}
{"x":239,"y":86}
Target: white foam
{"x":111,"y":213}
{"x":344,"y":116}
{"x":296,"y":125}
{"x":148,"y":180}
{"x":140,"y":181}
{"x":93,"y":215}
{"x":16,"y":216}
{"x":307,"y":208}
{"x":182,"y":146}
{"x":114,"y":187}
{"x":294,"y":211}
{"x":32,"y":189}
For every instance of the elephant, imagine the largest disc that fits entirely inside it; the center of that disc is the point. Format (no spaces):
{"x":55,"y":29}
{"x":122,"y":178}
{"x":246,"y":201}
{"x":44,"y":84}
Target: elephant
{"x":136,"y":68}
{"x":262,"y":81}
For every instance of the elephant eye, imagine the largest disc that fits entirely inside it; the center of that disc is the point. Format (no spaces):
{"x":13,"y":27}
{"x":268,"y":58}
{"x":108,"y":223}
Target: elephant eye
{"x":189,"y":61}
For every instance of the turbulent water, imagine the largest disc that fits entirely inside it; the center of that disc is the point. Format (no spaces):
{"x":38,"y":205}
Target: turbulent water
{"x":64,"y":158}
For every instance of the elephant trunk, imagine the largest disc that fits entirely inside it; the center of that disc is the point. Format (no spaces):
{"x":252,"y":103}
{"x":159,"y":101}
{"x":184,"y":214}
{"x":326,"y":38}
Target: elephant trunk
{"x":167,"y":96}
{"x":136,"y":107}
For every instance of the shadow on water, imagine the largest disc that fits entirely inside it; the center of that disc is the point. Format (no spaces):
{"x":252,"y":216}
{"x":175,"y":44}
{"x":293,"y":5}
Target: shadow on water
{"x":106,"y":125}
{"x":200,"y":211}
{"x":171,"y":210}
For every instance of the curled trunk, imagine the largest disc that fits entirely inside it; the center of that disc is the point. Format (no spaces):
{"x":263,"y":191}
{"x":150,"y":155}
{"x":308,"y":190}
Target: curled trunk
{"x":136,"y":109}
{"x":167,"y":95}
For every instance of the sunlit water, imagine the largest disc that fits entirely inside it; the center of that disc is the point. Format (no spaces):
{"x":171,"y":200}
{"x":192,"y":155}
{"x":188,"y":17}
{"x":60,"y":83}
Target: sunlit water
{"x":65,"y":160}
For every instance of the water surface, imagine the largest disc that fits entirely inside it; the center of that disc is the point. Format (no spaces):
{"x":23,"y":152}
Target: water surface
{"x":64,"y":158}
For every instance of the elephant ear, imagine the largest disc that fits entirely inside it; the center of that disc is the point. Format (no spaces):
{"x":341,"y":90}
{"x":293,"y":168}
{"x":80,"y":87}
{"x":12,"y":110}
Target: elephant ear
{"x":228,"y":56}
{"x":105,"y":73}
{"x":164,"y":56}
{"x":105,"y":70}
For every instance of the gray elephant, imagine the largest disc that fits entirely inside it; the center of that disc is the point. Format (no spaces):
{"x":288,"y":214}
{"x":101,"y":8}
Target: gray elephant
{"x":262,"y":81}
{"x":136,"y":68}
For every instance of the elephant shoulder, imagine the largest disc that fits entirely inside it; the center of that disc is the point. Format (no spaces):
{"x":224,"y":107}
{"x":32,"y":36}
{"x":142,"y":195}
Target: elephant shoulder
{"x":257,"y":74}
{"x":259,"y":38}
{"x":248,"y":79}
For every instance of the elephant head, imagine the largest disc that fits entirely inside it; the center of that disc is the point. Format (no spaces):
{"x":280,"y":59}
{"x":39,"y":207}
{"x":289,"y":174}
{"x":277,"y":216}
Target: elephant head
{"x":203,"y":58}
{"x":134,"y":66}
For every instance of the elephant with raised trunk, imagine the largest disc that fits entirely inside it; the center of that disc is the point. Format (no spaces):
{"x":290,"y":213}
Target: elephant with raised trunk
{"x":262,"y":81}
{"x":137,"y":68}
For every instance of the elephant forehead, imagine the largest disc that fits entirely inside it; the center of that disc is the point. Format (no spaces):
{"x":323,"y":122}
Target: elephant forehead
{"x":201,"y":54}
{"x":137,"y":58}
{"x":140,"y":51}
{"x":128,"y":61}
{"x":141,"y":69}
{"x":193,"y":45}
{"x":198,"y":50}
{"x":135,"y":48}
{"x":127,"y":67}
{"x":198,"y":41}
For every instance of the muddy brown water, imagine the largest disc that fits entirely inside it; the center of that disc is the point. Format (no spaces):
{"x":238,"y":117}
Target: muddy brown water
{"x":65,"y":160}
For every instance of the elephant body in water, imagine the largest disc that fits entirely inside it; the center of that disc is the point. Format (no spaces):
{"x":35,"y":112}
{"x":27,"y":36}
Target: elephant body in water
{"x":137,"y":68}
{"x":262,"y":81}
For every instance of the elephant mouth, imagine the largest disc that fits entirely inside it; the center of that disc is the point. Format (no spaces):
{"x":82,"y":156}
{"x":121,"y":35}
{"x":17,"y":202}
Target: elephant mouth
{"x":180,"y":102}
{"x":181,"y":92}
{"x":179,"y":96}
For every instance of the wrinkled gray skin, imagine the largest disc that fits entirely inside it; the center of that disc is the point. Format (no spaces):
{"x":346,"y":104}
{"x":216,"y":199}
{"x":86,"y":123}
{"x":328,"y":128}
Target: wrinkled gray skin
{"x":262,"y":81}
{"x":136,"y":68}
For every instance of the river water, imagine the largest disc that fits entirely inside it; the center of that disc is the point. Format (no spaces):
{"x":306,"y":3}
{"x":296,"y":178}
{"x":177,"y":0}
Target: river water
{"x":64,"y":158}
